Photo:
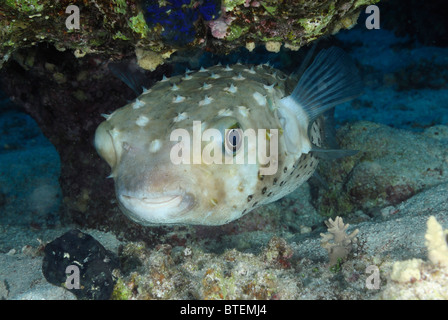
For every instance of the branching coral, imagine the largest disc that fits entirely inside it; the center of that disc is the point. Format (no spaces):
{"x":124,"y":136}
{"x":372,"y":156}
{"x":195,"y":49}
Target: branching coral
{"x":436,"y":242}
{"x":337,"y":242}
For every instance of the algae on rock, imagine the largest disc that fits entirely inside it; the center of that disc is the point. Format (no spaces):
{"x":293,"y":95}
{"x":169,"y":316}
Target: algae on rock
{"x":117,"y":27}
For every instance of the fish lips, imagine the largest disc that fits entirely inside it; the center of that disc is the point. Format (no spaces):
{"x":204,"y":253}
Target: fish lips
{"x":150,"y":209}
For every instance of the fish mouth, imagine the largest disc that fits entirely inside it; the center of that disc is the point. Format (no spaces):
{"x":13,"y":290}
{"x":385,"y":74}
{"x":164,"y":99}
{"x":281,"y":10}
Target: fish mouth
{"x":153,"y":209}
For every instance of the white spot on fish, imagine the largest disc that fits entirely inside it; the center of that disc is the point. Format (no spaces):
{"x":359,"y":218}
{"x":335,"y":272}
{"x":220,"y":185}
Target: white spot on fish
{"x":178,"y":99}
{"x":142,"y":121}
{"x":243,"y":111}
{"x":227,"y":68}
{"x":155,"y":146}
{"x":138,"y":104}
{"x":225,"y":112}
{"x":215,"y":76}
{"x":164,"y":78}
{"x":187,"y":77}
{"x":269,"y":88}
{"x":180,"y":117}
{"x":239,"y":77}
{"x":206,"y":86}
{"x":261,"y":99}
{"x":114,"y":133}
{"x":251,"y":70}
{"x":202,"y":69}
{"x":174,"y":87}
{"x":231,"y":89}
{"x":207,"y":100}
{"x":106,"y":116}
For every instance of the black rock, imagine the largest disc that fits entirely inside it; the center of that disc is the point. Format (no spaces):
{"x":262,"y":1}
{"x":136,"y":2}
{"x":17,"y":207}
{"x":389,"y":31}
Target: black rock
{"x":83,"y":253}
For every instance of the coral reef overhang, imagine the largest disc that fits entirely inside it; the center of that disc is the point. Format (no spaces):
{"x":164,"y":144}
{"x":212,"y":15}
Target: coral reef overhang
{"x":109,"y":27}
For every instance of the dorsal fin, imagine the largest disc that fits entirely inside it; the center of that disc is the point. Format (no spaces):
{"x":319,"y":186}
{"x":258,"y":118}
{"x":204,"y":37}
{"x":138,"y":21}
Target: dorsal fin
{"x":130,"y":73}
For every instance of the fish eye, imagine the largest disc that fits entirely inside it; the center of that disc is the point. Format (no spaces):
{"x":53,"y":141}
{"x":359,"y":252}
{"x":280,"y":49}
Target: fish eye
{"x":233,"y":139}
{"x":231,"y":133}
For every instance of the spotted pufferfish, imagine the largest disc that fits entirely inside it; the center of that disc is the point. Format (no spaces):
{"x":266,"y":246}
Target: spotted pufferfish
{"x":136,"y":140}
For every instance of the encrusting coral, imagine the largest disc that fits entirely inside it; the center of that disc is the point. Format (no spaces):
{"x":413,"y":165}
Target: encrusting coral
{"x":167,"y":272}
{"x":114,"y":27}
{"x":337,"y":242}
{"x":418,"y":279}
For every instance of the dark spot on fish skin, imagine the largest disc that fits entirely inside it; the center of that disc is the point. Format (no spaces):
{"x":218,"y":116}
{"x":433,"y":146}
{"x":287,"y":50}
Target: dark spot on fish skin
{"x":260,"y":177}
{"x":263,"y":191}
{"x":255,"y":203}
{"x":275,"y":181}
{"x":244,"y":211}
{"x":282,"y":183}
{"x":249,"y":198}
{"x":285,"y":169}
{"x":298,"y":175}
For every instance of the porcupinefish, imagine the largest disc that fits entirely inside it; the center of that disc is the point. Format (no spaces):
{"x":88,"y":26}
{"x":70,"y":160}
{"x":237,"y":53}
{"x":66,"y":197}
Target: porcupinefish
{"x":139,"y":143}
